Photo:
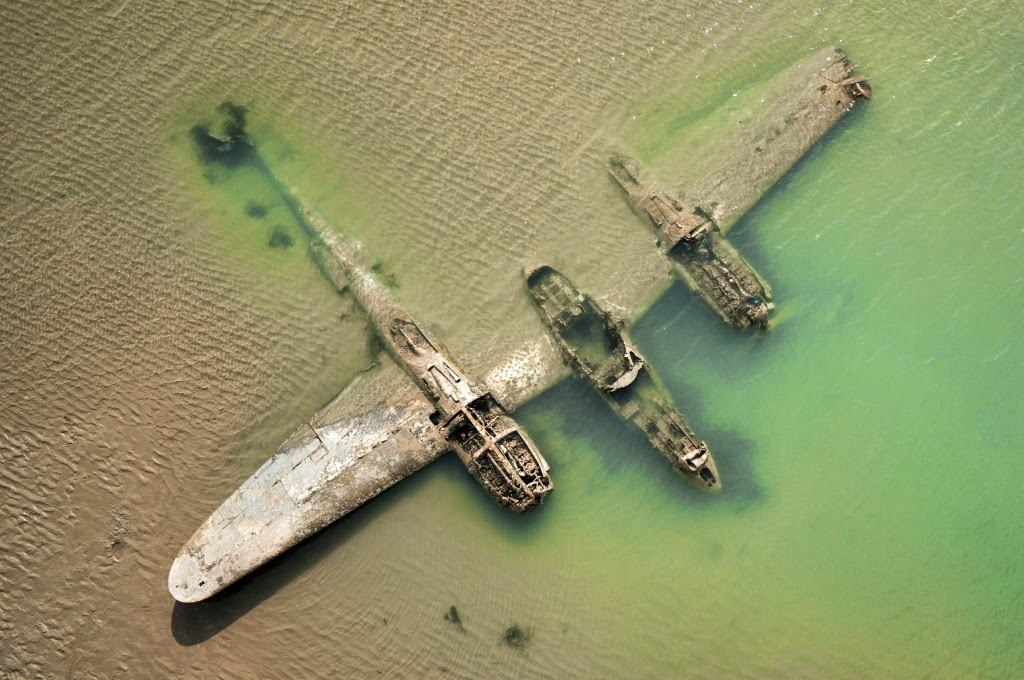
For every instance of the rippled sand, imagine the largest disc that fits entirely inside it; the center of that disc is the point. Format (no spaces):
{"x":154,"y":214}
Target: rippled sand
{"x":155,"y":350}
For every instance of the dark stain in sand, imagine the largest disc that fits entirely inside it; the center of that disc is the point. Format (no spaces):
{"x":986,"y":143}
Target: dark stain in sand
{"x":516,"y":637}
{"x":280,"y":238}
{"x":255,"y":210}
{"x":452,"y":616}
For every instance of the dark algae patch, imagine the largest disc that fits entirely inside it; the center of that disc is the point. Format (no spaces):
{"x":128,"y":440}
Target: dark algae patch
{"x":226,"y":141}
{"x":224,"y":145}
{"x":452,"y":616}
{"x":516,"y":637}
{"x":280,"y":238}
{"x":255,"y":210}
{"x":387,"y":277}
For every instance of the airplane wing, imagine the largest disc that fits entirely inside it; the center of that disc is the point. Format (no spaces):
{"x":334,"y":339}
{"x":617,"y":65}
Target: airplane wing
{"x":526,"y":371}
{"x":728,"y":161}
{"x":374,"y":434}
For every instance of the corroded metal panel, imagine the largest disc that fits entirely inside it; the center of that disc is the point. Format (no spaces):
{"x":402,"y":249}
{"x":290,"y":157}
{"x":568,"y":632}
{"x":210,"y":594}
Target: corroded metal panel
{"x":795,"y":110}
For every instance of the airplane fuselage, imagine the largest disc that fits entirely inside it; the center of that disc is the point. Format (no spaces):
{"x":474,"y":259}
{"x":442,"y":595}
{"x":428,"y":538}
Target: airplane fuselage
{"x":598,"y":349}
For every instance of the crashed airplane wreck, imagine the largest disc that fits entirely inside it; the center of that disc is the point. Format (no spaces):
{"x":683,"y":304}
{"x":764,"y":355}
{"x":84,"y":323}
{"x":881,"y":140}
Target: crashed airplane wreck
{"x":335,"y":467}
{"x":403,"y":414}
{"x":596,"y":346}
{"x":691,"y":232}
{"x":703,"y":258}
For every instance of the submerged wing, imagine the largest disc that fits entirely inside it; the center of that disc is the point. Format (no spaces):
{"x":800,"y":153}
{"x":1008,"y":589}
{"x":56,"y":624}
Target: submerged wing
{"x":743,"y":148}
{"x":374,"y":434}
{"x":526,"y":371}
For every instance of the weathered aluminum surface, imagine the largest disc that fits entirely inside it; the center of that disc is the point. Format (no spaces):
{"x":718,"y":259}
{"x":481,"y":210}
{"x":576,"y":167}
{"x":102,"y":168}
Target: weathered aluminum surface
{"x":796,"y":109}
{"x":372,"y":435}
{"x":492,"y":446}
{"x":703,"y":258}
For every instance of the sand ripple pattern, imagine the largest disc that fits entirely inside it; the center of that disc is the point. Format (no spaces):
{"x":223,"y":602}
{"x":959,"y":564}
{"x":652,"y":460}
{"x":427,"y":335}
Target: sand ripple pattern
{"x":146,"y":370}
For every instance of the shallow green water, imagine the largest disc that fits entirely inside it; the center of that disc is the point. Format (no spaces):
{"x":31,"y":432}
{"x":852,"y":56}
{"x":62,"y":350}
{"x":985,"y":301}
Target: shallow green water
{"x":878,"y":429}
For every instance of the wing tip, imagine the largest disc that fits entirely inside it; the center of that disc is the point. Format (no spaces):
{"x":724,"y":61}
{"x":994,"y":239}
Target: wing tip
{"x":188,"y":581}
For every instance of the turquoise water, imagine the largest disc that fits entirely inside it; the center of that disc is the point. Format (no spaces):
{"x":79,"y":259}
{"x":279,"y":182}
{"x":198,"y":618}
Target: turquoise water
{"x":871,"y":445}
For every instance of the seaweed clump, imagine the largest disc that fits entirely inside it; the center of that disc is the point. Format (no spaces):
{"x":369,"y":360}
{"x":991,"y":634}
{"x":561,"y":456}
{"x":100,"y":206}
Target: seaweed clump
{"x":385,"y":276}
{"x":255,"y":210}
{"x":280,"y":238}
{"x":225,"y":142}
{"x":516,"y":637}
{"x":452,"y":616}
